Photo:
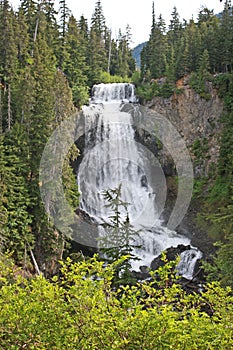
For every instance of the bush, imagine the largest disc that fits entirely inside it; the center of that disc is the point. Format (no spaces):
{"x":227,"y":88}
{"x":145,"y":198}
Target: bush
{"x":198,"y":83}
{"x":107,"y":78}
{"x":82,"y":311}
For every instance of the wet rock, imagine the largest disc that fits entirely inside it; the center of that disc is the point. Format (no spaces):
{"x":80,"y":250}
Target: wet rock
{"x":171,"y":254}
{"x":147,"y":139}
{"x":141,"y":275}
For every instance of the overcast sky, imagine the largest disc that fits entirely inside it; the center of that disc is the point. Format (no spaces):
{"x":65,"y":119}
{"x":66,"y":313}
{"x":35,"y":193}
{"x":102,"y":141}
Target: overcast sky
{"x":137,"y":14}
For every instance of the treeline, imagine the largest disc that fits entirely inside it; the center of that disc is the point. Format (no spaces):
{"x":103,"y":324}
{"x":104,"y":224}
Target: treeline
{"x":204,"y":46}
{"x":48,"y":63}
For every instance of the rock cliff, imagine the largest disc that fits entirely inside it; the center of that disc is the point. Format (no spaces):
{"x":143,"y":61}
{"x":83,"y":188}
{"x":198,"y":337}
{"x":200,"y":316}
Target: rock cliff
{"x":197,"y":120}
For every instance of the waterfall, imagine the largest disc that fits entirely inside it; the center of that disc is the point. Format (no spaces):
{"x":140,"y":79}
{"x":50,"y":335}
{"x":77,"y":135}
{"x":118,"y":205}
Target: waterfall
{"x":187,"y":262}
{"x":113,"y":157}
{"x":114,"y":92}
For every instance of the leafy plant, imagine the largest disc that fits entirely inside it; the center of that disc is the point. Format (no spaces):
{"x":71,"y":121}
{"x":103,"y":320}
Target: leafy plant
{"x":80,"y":310}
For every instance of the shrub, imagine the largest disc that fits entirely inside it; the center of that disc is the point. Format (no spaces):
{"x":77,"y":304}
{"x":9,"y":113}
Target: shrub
{"x":80,"y":310}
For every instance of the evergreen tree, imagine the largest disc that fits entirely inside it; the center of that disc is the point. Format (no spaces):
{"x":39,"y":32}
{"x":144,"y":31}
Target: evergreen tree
{"x":74,"y":64}
{"x":114,"y":60}
{"x":29,"y":9}
{"x":23,"y":40}
{"x":3,"y":210}
{"x":125,"y":64}
{"x":64,"y":17}
{"x":52,"y":28}
{"x":154,"y":53}
{"x":204,"y":66}
{"x":175,"y":28}
{"x":65,"y":14}
{"x":98,"y":21}
{"x":205,"y":15}
{"x":119,"y":236}
{"x":226,"y":37}
{"x":8,"y":61}
{"x":17,"y":233}
{"x":98,"y":60}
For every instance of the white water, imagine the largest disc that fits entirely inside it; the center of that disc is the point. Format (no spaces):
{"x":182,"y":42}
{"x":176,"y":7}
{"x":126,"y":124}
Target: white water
{"x":112,"y":157}
{"x":114,"y":92}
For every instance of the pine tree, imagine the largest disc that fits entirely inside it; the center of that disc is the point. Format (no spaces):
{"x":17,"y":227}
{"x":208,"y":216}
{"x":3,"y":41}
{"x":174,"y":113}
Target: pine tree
{"x":124,"y":55}
{"x":29,"y":9}
{"x":64,"y":17}
{"x":17,"y":233}
{"x":126,"y":64}
{"x":114,"y":62}
{"x":65,"y":14}
{"x":97,"y":55}
{"x":74,"y":64}
{"x":52,"y":28}
{"x":213,"y":45}
{"x":205,"y":15}
{"x":204,"y":65}
{"x":3,"y":210}
{"x":226,"y":37}
{"x":98,"y":21}
{"x":154,"y":53}
{"x":175,"y":28}
{"x":23,"y":40}
{"x":8,"y":61}
{"x":119,"y":237}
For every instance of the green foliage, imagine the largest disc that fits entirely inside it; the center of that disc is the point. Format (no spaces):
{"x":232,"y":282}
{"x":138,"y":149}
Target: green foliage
{"x":217,"y":218}
{"x":147,"y":91}
{"x":136,"y":77}
{"x":200,"y":185}
{"x":81,"y":311}
{"x":74,"y":63}
{"x":200,"y":150}
{"x":106,"y":77}
{"x":199,"y":80}
{"x":199,"y":48}
{"x":199,"y":84}
{"x":221,"y":269}
{"x":7,"y":269}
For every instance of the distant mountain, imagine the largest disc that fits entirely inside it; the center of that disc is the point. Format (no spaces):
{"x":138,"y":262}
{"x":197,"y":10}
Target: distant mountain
{"x":137,"y":52}
{"x":219,"y":15}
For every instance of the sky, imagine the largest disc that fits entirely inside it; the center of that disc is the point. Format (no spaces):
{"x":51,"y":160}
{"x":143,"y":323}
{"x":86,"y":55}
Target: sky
{"x":137,"y":13}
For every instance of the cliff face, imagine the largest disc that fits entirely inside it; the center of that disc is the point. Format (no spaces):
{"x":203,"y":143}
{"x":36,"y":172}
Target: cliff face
{"x":198,"y":122}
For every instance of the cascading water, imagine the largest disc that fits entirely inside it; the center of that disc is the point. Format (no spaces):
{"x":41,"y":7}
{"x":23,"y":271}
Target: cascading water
{"x":112,"y":157}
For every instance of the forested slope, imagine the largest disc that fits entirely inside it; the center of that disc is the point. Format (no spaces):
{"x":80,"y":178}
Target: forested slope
{"x":48,"y":64}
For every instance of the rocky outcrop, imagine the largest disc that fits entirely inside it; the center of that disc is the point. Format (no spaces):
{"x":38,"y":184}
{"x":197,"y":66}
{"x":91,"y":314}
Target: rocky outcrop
{"x":197,"y":120}
{"x":193,"y":285}
{"x":171,"y":255}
